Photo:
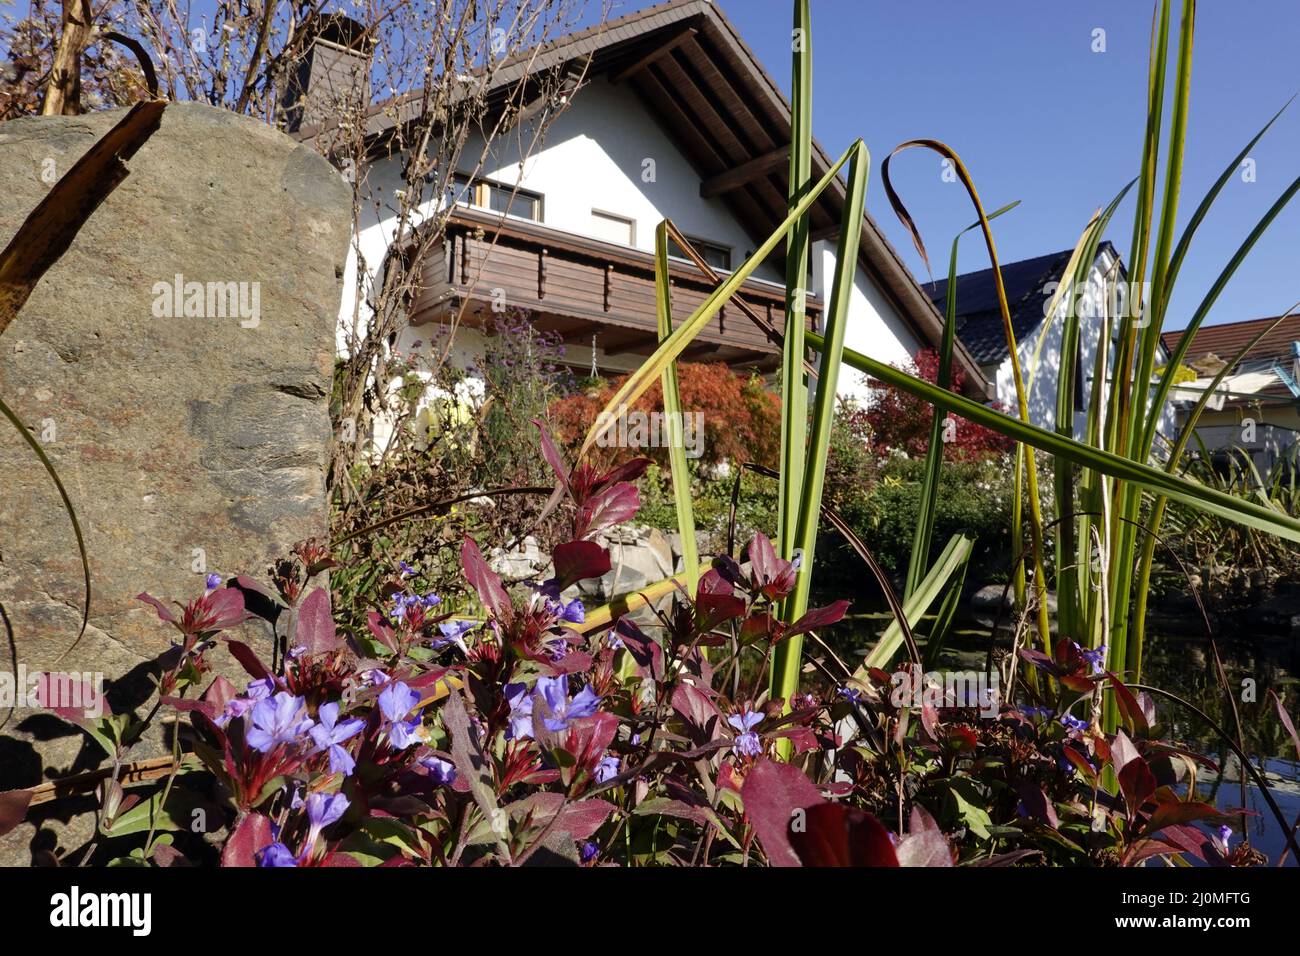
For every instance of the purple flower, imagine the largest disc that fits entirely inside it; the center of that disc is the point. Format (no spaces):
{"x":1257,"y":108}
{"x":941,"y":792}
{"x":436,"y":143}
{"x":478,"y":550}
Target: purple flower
{"x":397,"y":700}
{"x":1222,"y":836}
{"x":747,"y":743}
{"x":278,"y":720}
{"x":329,"y":734}
{"x":851,"y":694}
{"x":405,"y":570}
{"x":571,"y":611}
{"x":555,"y":691}
{"x":1073,"y":723}
{"x":1097,"y":658}
{"x":590,"y":850}
{"x":607,"y":769}
{"x":277,"y":854}
{"x":521,"y":712}
{"x":213,"y":581}
{"x":238,"y":706}
{"x":453,"y":632}
{"x":440,"y":771}
{"x":323,"y":809}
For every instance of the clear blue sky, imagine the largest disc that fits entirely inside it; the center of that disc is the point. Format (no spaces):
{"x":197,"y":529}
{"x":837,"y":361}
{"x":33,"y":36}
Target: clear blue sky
{"x":1014,"y":87}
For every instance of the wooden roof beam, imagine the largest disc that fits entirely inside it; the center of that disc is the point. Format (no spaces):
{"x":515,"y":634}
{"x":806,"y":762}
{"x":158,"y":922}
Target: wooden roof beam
{"x":659,"y":51}
{"x":746,"y":172}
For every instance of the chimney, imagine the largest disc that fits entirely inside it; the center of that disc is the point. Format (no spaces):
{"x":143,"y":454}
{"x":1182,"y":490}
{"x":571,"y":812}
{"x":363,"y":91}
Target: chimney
{"x":333,"y":76}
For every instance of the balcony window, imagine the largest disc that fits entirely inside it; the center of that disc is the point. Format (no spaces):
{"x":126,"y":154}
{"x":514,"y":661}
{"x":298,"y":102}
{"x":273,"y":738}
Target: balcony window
{"x":485,"y":194}
{"x":613,"y":228}
{"x":715,"y":254}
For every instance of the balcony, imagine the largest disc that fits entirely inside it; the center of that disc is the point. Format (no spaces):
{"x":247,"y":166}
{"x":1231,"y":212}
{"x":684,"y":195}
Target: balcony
{"x":580,"y":287}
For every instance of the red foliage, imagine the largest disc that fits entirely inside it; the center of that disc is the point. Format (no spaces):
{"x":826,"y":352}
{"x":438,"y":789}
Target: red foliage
{"x":897,"y":419}
{"x":741,"y":418}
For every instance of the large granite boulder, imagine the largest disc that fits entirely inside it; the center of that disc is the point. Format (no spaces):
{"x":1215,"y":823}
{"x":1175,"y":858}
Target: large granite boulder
{"x":176,"y":365}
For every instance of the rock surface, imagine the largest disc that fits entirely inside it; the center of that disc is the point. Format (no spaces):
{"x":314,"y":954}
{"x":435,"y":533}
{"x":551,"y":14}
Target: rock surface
{"x":191,"y":431}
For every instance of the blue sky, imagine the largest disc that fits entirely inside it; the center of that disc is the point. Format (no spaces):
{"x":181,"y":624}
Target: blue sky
{"x":1014,"y":87}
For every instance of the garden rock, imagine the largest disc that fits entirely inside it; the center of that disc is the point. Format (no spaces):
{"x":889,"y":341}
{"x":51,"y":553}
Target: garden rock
{"x":175,"y":365}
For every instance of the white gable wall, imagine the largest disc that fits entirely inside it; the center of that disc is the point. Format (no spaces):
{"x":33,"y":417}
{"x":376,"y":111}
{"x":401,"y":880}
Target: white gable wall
{"x":1041,"y":372}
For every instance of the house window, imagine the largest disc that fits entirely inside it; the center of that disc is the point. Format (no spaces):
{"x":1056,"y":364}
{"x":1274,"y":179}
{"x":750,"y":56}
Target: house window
{"x":613,"y":228}
{"x":715,"y":254}
{"x":497,"y":197}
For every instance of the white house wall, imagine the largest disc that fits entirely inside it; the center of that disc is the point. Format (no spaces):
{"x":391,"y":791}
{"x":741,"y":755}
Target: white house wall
{"x":874,"y":327}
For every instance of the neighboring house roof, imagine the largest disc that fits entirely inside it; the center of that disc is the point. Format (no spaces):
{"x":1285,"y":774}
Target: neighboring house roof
{"x":979,"y":319}
{"x":714,"y":99}
{"x":1227,"y":339}
{"x":1267,"y":366}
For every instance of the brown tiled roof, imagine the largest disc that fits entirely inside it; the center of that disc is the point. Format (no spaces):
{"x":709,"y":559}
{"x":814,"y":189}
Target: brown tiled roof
{"x":1228,"y":339}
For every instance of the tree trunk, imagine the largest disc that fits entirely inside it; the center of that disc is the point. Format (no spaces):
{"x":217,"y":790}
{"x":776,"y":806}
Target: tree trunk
{"x":63,"y":94}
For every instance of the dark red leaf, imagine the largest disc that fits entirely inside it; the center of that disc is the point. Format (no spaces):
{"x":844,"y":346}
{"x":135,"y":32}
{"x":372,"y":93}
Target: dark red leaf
{"x":253,"y":833}
{"x":381,"y":630}
{"x":247,"y":659}
{"x":773,"y":792}
{"x":715,"y":601}
{"x":628,"y":471}
{"x":1133,"y":713}
{"x":578,"y":561}
{"x":70,"y":697}
{"x":315,"y":630}
{"x":644,"y":650}
{"x":1036,"y":804}
{"x":695,"y":707}
{"x":837,"y":835}
{"x":1137,"y":783}
{"x":580,"y":820}
{"x":483,"y":579}
{"x":553,"y":456}
{"x":164,"y":612}
{"x":1174,"y":812}
{"x":818,"y":617}
{"x":924,"y":844}
{"x":606,"y":508}
{"x":226,"y":607}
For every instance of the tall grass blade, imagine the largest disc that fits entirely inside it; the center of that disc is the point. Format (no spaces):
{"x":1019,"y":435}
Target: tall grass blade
{"x":794,"y":383}
{"x":681,"y":474}
{"x":951,"y":560}
{"x":934,"y":452}
{"x":1239,"y":510}
{"x":785,"y":662}
{"x":1031,"y":472}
